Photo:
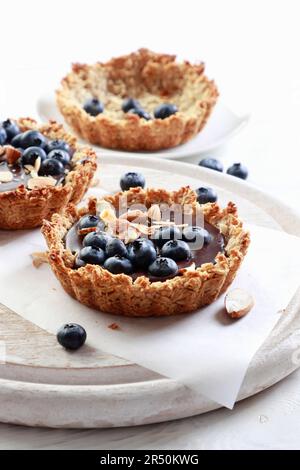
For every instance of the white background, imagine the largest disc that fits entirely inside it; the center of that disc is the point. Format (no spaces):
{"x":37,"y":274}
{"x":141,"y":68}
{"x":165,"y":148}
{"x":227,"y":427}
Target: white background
{"x":251,"y":49}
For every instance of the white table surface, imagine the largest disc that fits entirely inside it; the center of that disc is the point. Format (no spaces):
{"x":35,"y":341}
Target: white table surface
{"x":251,"y":48}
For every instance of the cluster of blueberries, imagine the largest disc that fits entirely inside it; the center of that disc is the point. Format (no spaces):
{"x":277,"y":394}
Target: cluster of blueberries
{"x":158,"y":255}
{"x":55,"y":155}
{"x":94,"y":107}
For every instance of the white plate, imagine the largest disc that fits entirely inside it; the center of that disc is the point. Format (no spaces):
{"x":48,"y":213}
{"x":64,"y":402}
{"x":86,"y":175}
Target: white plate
{"x":43,"y":385}
{"x":221,"y":126}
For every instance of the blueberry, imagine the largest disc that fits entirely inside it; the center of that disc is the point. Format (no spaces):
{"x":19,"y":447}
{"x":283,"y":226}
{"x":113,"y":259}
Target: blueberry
{"x":79,"y":263}
{"x":11,"y":129}
{"x":71,"y":336}
{"x":88,"y":221}
{"x":58,"y":144}
{"x":118,"y":265}
{"x":92,"y":255}
{"x":211,"y":163}
{"x":51,"y":167}
{"x":165,"y":110}
{"x":239,"y":170}
{"x":3,"y":136}
{"x":31,"y":154}
{"x":60,"y":155}
{"x":130,"y":103}
{"x":17,"y":140}
{"x":177,"y":250}
{"x":196,"y":235}
{"x":163,"y":267}
{"x":32,"y":139}
{"x":115,"y":246}
{"x":164,"y":234}
{"x":141,"y":113}
{"x":132,"y":180}
{"x":142,"y":252}
{"x":93,"y":107}
{"x":96,"y":239}
{"x":205,"y":195}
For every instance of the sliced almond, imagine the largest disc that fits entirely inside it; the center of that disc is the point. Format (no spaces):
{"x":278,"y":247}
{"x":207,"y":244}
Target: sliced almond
{"x":192,"y":267}
{"x":37,"y":164}
{"x":12,"y":154}
{"x":144,"y":229}
{"x":5,"y":176}
{"x":108,"y":215}
{"x":131,"y":235}
{"x":238,"y":302}
{"x":39,"y":182}
{"x":38,"y":258}
{"x":163,"y":222}
{"x":85,"y":231}
{"x":133,"y":215}
{"x":30,"y":169}
{"x":102,"y":205}
{"x":154,"y":213}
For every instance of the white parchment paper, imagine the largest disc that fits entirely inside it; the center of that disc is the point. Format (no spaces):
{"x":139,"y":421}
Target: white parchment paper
{"x":205,"y":350}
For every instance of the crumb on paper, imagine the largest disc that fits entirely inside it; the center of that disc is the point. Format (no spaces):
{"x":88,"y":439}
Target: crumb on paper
{"x":38,"y":258}
{"x":114,"y":326}
{"x":263,"y":419}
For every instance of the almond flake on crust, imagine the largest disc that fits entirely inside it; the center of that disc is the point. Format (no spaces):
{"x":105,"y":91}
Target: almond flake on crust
{"x":192,"y":267}
{"x":38,"y":258}
{"x":6,"y":176}
{"x":41,"y":182}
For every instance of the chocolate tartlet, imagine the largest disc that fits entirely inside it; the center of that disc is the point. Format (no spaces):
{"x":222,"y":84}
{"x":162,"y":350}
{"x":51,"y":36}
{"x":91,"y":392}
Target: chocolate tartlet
{"x":112,"y":256}
{"x":42,"y":169}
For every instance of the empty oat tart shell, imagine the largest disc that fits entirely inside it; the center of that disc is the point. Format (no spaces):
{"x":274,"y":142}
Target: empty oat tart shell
{"x":119,"y":294}
{"x":152,"y":79}
{"x":25,"y":208}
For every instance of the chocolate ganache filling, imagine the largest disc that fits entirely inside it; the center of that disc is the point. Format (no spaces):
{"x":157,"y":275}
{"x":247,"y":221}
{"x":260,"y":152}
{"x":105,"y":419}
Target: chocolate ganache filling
{"x":199,"y":251}
{"x":29,"y":155}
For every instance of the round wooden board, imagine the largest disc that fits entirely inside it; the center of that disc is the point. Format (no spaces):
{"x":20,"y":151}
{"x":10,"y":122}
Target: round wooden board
{"x":43,"y":385}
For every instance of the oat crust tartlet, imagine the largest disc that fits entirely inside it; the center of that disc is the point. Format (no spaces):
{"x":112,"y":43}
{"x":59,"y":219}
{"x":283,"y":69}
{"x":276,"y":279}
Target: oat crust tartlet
{"x":118,"y":294}
{"x":24,"y":208}
{"x":149,"y":77}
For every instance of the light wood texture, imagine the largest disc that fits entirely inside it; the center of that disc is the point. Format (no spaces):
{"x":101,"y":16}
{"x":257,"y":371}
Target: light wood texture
{"x":43,"y":385}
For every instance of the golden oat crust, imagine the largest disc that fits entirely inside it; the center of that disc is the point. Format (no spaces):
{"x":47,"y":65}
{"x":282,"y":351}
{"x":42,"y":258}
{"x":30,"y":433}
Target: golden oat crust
{"x":152,"y":79}
{"x":25,"y":209}
{"x":119,"y":294}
